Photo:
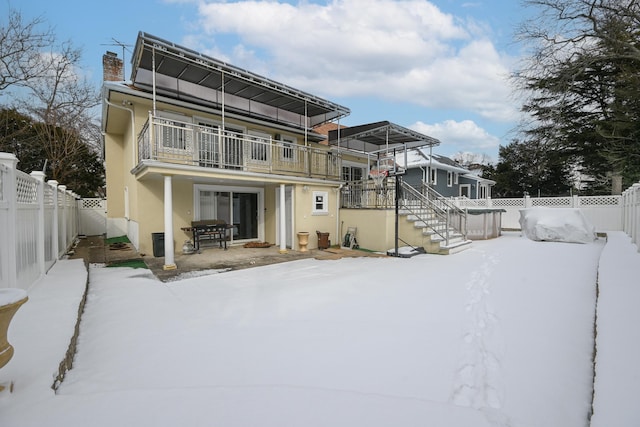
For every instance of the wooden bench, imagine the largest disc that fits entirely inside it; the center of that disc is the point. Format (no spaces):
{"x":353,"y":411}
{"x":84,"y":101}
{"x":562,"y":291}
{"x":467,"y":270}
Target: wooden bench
{"x":213,"y":230}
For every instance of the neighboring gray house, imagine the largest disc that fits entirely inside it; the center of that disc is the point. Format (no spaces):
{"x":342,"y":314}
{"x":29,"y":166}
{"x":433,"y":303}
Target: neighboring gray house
{"x":447,"y":177}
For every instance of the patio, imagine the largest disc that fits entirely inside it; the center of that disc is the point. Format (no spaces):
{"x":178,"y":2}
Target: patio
{"x":94,"y":251}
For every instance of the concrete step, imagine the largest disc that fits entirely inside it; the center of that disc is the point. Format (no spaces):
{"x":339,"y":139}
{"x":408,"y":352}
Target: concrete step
{"x":454,"y":248}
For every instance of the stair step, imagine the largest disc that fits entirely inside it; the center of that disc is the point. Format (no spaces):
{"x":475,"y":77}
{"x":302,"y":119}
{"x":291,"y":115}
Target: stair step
{"x":454,"y":248}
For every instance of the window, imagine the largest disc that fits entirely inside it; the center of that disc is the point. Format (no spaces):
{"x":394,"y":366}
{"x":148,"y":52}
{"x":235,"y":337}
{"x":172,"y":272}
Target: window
{"x":208,"y":149}
{"x":259,"y":146}
{"x":449,"y":178}
{"x":433,"y":173}
{"x":455,"y":178}
{"x":352,"y":173}
{"x":173,"y":131}
{"x":287,"y":148}
{"x":320,"y":203}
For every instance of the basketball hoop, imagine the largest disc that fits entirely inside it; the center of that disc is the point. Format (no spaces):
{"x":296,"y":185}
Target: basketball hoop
{"x":378,"y":176}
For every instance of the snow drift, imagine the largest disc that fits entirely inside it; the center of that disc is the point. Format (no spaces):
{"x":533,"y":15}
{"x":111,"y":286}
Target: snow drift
{"x":556,"y":225}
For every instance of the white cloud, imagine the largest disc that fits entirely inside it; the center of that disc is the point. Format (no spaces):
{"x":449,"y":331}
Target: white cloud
{"x":407,"y":51}
{"x":463,"y":136}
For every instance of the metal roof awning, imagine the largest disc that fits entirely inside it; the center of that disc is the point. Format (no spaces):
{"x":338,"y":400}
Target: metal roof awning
{"x":379,"y":136}
{"x":188,"y":75}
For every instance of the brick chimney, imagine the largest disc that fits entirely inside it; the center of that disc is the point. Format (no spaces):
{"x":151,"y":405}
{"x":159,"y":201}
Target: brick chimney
{"x":112,"y":67}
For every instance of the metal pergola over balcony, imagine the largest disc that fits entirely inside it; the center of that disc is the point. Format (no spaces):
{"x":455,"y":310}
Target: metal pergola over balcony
{"x":381,"y":141}
{"x":166,"y":68}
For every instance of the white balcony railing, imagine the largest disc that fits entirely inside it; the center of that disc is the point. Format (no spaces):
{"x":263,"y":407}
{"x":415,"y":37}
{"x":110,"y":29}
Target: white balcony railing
{"x":208,"y":146}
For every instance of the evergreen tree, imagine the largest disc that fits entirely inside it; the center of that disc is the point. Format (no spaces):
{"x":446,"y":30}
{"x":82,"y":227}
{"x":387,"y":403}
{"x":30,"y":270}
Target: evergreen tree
{"x":529,"y":168}
{"x":582,"y":85}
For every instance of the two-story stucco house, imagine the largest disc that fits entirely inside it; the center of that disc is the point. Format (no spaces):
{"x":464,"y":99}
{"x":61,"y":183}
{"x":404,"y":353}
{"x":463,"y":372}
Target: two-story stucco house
{"x":189,"y":138}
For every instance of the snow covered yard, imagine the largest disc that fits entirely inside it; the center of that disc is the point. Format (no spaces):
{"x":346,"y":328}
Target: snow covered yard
{"x":498,"y":335}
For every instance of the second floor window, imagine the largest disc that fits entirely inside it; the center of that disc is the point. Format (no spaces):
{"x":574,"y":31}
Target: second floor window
{"x":352,"y":173}
{"x":173,"y":131}
{"x":287,"y":148}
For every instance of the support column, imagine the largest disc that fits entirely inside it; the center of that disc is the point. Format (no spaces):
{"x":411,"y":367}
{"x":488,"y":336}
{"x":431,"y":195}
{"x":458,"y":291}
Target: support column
{"x":169,"y":262}
{"x":283,"y":221}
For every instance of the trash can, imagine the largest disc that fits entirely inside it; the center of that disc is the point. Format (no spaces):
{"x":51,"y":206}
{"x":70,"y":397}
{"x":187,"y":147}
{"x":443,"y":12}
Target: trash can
{"x":158,"y":244}
{"x":323,"y":240}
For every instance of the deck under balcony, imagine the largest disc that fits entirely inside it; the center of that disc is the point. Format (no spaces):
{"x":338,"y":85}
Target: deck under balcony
{"x":211,"y":146}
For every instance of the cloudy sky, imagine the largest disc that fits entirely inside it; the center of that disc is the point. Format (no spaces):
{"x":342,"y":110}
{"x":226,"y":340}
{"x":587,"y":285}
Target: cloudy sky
{"x":439,"y":67}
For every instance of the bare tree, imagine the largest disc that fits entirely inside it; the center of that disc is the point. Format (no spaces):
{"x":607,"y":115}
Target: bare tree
{"x":20,"y":47}
{"x":62,"y":101}
{"x":59,"y":100}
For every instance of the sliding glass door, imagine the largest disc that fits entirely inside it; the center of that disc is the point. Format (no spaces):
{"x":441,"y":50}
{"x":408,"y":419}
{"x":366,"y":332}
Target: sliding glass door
{"x":236,"y":205}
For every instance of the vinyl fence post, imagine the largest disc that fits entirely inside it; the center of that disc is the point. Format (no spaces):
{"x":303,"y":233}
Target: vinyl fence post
{"x":39,"y":176}
{"x":9,"y":193}
{"x":63,"y":232}
{"x":55,"y":248}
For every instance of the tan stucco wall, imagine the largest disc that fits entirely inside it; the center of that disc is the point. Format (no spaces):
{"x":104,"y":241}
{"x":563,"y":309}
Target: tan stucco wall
{"x":306,"y":220}
{"x":114,"y":147}
{"x":151,"y":197}
{"x":375,"y":227}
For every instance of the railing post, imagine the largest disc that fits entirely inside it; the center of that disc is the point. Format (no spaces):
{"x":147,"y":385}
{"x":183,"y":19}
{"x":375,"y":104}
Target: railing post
{"x":575,"y":201}
{"x":489,"y":202}
{"x":221,"y":144}
{"x":9,"y":193}
{"x":527,"y":201}
{"x":40,"y":235}
{"x":153,"y":150}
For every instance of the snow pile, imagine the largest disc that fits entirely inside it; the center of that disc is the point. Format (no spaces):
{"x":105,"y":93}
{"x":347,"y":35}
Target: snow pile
{"x":11,"y":295}
{"x":556,"y":225}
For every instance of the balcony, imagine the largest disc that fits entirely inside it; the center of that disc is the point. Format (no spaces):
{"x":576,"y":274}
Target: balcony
{"x":210,"y":146}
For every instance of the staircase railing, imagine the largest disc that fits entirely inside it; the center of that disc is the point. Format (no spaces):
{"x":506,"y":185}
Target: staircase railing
{"x":429,"y":200}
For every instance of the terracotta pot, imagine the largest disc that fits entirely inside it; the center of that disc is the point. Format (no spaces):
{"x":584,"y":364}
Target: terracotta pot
{"x":10,"y":301}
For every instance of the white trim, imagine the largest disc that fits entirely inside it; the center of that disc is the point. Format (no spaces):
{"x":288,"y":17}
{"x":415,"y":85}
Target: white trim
{"x":320,"y":198}
{"x":468,"y":187}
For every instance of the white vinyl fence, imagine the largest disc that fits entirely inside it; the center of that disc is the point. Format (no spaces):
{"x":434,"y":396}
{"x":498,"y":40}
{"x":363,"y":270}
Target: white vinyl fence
{"x":38,"y":223}
{"x":631,"y":213}
{"x":604,"y":212}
